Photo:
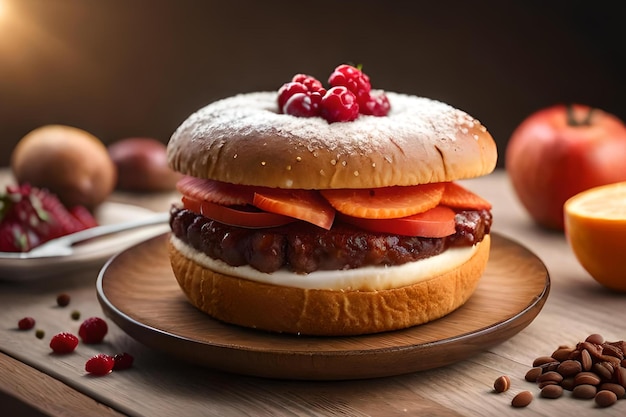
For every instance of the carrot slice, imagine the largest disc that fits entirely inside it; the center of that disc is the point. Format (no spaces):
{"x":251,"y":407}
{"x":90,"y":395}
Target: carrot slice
{"x":305,"y":205}
{"x":459,"y":197}
{"x":387,"y":202}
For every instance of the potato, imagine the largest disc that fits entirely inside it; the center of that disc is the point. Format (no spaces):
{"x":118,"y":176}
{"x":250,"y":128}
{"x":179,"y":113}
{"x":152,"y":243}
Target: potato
{"x":142,"y":165}
{"x":69,"y":162}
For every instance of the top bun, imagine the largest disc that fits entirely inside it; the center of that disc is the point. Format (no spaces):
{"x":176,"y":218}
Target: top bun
{"x":245,"y":140}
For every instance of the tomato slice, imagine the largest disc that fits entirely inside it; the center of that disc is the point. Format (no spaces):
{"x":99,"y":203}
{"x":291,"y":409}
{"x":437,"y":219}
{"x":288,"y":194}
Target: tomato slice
{"x":235,"y":217}
{"x":307,"y":205}
{"x":457,"y":196}
{"x":215,"y":191}
{"x":436,"y":222}
{"x":387,"y":202}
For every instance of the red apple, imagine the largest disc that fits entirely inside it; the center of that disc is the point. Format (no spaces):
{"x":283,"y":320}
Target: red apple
{"x":560,"y":151}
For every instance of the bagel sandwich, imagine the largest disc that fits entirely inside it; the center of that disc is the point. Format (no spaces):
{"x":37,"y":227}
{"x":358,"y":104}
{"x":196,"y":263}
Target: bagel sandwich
{"x":296,"y":225}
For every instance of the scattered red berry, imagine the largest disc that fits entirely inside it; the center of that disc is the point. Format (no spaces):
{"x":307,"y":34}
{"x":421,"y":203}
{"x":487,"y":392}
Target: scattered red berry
{"x":93,"y":330}
{"x":101,"y":364}
{"x":123,"y":361}
{"x":26,"y":323}
{"x":339,"y":105}
{"x":63,"y":300}
{"x":63,"y":343}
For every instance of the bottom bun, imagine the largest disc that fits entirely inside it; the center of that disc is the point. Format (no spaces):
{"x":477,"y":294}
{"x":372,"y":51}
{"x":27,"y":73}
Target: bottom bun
{"x":317,"y":312}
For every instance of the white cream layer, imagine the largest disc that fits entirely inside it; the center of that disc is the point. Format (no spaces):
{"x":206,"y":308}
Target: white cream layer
{"x":368,"y":278}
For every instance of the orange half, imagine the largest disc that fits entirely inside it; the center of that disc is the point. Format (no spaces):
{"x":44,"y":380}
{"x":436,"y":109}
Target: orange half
{"x":595,"y":226}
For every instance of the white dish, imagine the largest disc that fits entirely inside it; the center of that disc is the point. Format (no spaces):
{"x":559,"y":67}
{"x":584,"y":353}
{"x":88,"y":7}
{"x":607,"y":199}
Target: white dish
{"x":88,"y":254}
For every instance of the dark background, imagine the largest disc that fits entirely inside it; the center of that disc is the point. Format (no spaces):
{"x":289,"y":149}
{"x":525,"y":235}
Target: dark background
{"x":121,"y":68}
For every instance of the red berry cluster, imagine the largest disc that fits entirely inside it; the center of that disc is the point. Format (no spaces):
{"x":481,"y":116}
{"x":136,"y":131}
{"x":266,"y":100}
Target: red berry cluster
{"x":91,"y":331}
{"x":102,"y":364}
{"x":350,"y":95}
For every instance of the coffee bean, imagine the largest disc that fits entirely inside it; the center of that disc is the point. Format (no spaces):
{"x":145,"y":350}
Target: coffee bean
{"x":603,"y":369}
{"x":584,"y":391}
{"x":605,"y":398}
{"x":585,"y":360}
{"x":522,"y":399}
{"x":568,"y":383}
{"x":502,"y":383}
{"x":551,"y":391}
{"x":562,"y":353}
{"x":542,"y":360}
{"x":569,"y":368}
{"x":533,"y":374}
{"x":595,"y":338}
{"x":587,"y":378}
{"x":616,"y":388}
{"x":550,"y":376}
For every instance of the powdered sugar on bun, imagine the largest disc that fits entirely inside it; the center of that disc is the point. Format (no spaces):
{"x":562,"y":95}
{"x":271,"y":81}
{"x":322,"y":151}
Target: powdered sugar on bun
{"x":245,"y":140}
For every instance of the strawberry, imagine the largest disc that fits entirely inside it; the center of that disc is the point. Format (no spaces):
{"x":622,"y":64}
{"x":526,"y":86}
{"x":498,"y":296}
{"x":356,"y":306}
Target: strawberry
{"x":83,"y":216}
{"x":456,"y":196}
{"x":14,"y":237}
{"x":30,"y":216}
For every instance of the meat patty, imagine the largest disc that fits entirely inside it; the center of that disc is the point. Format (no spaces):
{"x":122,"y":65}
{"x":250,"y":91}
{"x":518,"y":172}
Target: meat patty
{"x":302,"y":247}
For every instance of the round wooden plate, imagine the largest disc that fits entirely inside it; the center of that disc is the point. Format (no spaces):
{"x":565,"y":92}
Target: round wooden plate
{"x":138,"y":291}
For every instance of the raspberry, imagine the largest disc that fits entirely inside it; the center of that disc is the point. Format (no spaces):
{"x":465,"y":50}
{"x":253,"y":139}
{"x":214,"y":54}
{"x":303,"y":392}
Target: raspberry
{"x":375,"y":104}
{"x":287,"y":91}
{"x":339,"y":105}
{"x":123,"y":361}
{"x":63,"y":343}
{"x":100,"y":364}
{"x":26,"y":323}
{"x":93,"y":330}
{"x":301,"y":106}
{"x":352,"y":78}
{"x":312,"y":84}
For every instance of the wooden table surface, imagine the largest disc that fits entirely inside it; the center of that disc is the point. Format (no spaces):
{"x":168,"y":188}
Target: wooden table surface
{"x":35,"y":382}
